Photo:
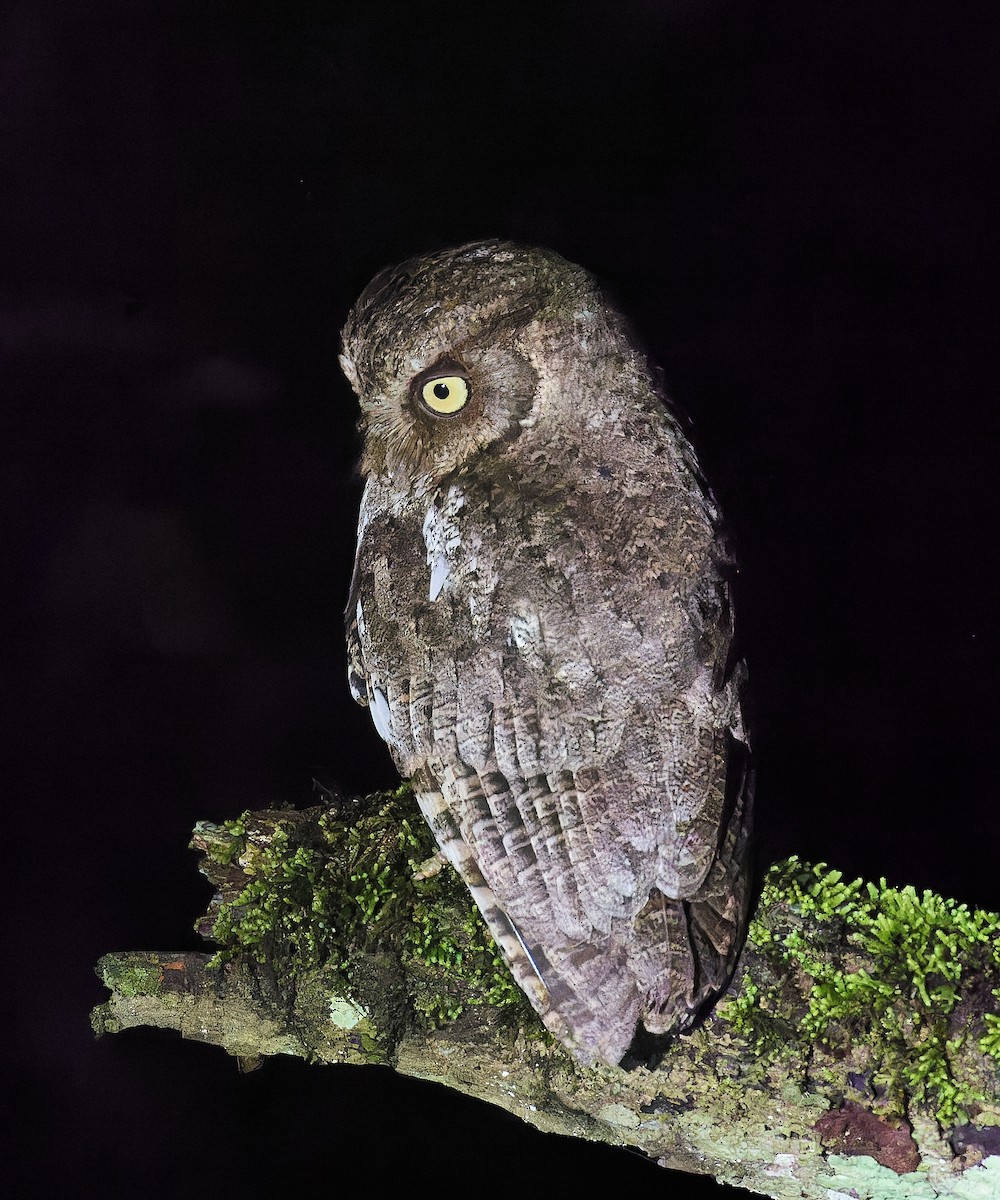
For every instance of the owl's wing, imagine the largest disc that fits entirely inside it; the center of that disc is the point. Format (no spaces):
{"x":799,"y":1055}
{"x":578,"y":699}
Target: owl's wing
{"x":595,"y":799}
{"x":580,"y":763}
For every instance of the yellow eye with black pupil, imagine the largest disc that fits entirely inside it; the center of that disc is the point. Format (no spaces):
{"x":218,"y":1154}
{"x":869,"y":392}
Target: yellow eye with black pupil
{"x":445,"y":395}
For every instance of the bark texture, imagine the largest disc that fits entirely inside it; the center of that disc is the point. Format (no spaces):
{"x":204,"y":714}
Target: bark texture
{"x":840,"y":1062}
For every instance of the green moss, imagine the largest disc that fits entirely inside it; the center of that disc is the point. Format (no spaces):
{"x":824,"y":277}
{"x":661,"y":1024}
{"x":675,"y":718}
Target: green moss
{"x":896,"y":988}
{"x":989,"y":1043}
{"x":131,"y":977}
{"x":845,"y":964}
{"x":322,"y":890}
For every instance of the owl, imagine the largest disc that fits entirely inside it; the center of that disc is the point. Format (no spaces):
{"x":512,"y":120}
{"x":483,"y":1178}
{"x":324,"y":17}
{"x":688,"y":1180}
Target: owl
{"x":540,"y":626}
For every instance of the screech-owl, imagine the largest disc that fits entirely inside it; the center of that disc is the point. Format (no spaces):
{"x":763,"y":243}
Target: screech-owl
{"x":540,"y":624}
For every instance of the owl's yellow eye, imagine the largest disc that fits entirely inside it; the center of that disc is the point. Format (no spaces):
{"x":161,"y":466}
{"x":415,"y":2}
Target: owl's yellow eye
{"x":445,"y":395}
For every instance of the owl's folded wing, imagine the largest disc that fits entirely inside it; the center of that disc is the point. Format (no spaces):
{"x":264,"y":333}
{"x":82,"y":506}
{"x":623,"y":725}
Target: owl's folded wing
{"x":580,"y":768}
{"x":599,"y":826}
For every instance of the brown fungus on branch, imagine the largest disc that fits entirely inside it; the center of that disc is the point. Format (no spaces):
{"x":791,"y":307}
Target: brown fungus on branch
{"x":852,"y":1129}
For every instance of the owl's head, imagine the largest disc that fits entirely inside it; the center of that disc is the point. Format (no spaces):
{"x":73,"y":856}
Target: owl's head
{"x":458,"y":353}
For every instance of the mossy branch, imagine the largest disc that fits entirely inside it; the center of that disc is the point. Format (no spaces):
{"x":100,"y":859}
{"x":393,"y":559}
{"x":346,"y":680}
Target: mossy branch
{"x":857,"y":1052}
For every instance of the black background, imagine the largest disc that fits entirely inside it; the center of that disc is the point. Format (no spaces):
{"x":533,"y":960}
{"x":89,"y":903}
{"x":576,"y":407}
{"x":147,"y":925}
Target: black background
{"x":795,"y":204}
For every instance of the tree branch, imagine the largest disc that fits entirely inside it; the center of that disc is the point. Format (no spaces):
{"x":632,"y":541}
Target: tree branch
{"x":857,"y":1051}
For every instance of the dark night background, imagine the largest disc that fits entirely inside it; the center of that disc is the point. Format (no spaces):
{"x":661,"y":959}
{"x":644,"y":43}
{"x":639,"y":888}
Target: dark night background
{"x":795,"y":204}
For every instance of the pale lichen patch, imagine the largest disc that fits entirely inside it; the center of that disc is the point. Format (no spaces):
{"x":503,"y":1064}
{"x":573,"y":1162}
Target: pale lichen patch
{"x":344,"y":1014}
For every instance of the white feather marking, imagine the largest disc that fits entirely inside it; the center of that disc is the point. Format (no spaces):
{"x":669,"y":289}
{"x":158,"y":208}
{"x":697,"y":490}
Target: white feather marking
{"x":381,"y":717}
{"x":528,"y":954}
{"x":439,"y":573}
{"x":443,"y":538}
{"x":349,"y":369}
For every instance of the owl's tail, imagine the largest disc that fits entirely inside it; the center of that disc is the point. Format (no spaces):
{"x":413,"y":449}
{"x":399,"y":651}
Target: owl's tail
{"x":684,"y":951}
{"x":658,"y":969}
{"x":659,"y":972}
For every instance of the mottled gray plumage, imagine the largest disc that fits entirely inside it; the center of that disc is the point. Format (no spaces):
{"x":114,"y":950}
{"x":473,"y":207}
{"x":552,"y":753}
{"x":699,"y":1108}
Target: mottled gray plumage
{"x":540,"y":624}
